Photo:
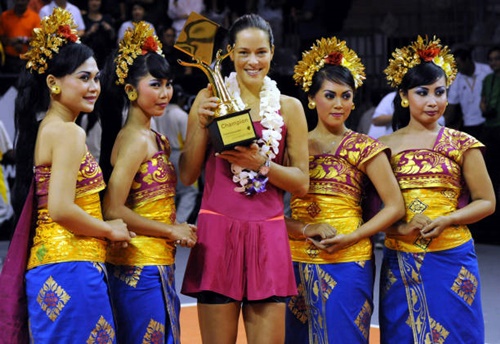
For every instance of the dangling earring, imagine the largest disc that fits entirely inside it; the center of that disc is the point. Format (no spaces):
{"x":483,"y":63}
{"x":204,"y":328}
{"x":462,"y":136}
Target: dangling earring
{"x":311,"y":105}
{"x":132,"y":95}
{"x":405,"y":103}
{"x":353,"y":106}
{"x":55,"y":89}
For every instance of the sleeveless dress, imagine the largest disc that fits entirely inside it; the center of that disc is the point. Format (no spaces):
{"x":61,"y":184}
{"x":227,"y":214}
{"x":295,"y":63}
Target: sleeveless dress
{"x":335,"y":300}
{"x":242,"y":250}
{"x":66,"y":284}
{"x":430,"y":289}
{"x":142,"y":275}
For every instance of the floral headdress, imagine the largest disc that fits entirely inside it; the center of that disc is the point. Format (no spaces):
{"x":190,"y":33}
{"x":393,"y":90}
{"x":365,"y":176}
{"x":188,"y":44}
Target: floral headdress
{"x":55,"y":30}
{"x":327,"y":51}
{"x":136,"y":41}
{"x":417,"y":52}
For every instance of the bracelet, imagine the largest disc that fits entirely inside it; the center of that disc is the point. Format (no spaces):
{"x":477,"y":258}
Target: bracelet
{"x":264,"y":168}
{"x":304,"y":229}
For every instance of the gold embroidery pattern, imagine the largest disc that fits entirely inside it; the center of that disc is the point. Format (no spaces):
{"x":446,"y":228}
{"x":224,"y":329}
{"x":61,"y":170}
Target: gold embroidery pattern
{"x":313,"y":209}
{"x":465,"y":285}
{"x":417,"y":206}
{"x":312,"y":251}
{"x":390,"y":279}
{"x":361,"y":263}
{"x":103,"y":333}
{"x":155,"y":333}
{"x":52,"y":298}
{"x":98,"y":267}
{"x":327,"y":283}
{"x":297,"y":305}
{"x":438,"y":333}
{"x":363,"y":319}
{"x":130,"y":275}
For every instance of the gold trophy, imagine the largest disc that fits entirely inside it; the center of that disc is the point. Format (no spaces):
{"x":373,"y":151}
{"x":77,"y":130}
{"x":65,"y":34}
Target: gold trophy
{"x":232,"y":125}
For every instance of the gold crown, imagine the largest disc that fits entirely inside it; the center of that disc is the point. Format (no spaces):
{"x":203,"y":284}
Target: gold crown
{"x":329,"y":51}
{"x":55,"y":30}
{"x":136,"y":41}
{"x":417,"y":52}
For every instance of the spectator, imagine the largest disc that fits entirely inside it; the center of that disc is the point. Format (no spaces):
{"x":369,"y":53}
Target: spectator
{"x":464,"y":95}
{"x":138,"y":13}
{"x":100,"y":33}
{"x":382,"y":116}
{"x":16,"y":27}
{"x":6,"y":212}
{"x":179,"y":11}
{"x":167,"y":38}
{"x":490,"y":106}
{"x":64,"y":4}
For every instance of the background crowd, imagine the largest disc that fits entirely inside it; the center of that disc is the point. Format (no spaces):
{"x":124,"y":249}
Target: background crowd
{"x":295,"y":23}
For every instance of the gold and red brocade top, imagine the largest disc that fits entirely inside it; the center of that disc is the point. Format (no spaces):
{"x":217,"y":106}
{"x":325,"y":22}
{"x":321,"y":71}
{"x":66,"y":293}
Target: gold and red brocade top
{"x":52,"y":242}
{"x":432,"y":184}
{"x":337,"y":185}
{"x":152,"y":196}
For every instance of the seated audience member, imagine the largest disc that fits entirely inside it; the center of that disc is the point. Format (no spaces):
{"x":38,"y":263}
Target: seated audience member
{"x":74,"y":10}
{"x":16,"y":27}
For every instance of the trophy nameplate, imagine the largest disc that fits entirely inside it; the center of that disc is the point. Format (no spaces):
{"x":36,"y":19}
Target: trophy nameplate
{"x":232,"y":125}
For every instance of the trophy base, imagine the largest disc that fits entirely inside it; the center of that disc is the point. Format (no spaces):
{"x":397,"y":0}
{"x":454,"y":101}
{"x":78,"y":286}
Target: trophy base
{"x":232,"y":130}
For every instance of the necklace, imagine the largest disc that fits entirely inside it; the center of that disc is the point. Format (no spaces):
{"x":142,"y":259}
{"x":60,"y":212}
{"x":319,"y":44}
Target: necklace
{"x":250,"y":182}
{"x":327,"y":148}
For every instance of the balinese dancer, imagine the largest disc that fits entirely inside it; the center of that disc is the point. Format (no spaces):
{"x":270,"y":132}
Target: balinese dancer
{"x":66,"y":284}
{"x":141,"y":190}
{"x":242,"y":261}
{"x":330,"y":242}
{"x":430,"y":285}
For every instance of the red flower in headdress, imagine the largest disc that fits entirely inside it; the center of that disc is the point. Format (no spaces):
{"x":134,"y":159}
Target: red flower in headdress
{"x":65,"y":31}
{"x":334,"y":58}
{"x":429,"y":54}
{"x":150,"y":45}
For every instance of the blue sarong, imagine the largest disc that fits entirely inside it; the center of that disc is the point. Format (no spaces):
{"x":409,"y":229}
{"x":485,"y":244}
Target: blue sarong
{"x":146,"y":304}
{"x":334,"y":305}
{"x":431,"y":297}
{"x":69,"y":303}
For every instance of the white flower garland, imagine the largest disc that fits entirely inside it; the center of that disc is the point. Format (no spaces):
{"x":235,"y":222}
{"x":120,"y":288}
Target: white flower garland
{"x":248,"y":180}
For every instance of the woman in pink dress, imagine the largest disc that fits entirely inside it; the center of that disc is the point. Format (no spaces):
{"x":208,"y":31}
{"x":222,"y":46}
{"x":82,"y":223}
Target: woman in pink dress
{"x":242,"y":260}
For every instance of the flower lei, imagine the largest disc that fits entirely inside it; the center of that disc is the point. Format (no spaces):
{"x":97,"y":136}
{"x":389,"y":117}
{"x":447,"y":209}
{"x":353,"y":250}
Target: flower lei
{"x":250,"y":182}
{"x":417,"y":52}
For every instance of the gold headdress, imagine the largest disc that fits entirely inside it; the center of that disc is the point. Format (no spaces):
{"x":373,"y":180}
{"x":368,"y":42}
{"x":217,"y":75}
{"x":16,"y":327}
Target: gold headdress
{"x":55,"y":30}
{"x":417,"y":52}
{"x":329,"y":51}
{"x":138,"y":40}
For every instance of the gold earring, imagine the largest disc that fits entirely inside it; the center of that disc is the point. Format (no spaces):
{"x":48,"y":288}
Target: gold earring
{"x":311,"y":105}
{"x":55,"y":89}
{"x":405,"y":103}
{"x":132,"y":95}
{"x":353,"y":106}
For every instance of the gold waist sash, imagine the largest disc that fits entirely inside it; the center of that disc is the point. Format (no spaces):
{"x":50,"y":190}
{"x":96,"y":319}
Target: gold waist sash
{"x":431,"y":203}
{"x":145,"y":250}
{"x":55,"y":244}
{"x":342,"y":214}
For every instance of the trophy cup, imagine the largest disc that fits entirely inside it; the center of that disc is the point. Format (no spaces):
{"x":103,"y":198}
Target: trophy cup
{"x":232,"y":125}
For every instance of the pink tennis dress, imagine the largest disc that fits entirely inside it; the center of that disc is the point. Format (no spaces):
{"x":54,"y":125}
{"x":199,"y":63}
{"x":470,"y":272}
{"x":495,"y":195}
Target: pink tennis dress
{"x":242,"y":250}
